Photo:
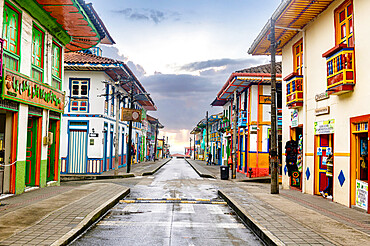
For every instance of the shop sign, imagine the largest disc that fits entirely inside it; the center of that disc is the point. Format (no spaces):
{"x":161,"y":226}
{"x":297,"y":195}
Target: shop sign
{"x":361,"y":194}
{"x":324,"y":127}
{"x":265,"y":99}
{"x":93,"y":135}
{"x":295,"y":179}
{"x":294,"y":117}
{"x":131,"y":115}
{"x":323,"y":110}
{"x":20,"y":88}
{"x":321,"y":96}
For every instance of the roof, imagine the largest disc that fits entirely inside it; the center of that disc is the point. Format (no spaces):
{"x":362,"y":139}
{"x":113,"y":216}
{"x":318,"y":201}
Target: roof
{"x":290,"y":17}
{"x":153,"y":121}
{"x":240,"y":80}
{"x":70,"y":21}
{"x":117,"y":70}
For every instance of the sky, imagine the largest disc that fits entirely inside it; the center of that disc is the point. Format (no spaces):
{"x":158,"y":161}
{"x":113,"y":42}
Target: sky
{"x":183,"y":52}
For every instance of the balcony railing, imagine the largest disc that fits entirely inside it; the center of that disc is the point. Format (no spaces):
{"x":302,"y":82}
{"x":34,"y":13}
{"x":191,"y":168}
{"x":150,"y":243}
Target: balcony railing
{"x":294,"y":90}
{"x":340,"y":69}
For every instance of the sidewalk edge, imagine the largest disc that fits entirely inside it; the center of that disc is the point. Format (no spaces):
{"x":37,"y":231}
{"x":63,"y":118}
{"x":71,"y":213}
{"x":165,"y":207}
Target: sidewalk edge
{"x":203,"y":175}
{"x":265,"y":235}
{"x":155,"y":170}
{"x":90,"y":219}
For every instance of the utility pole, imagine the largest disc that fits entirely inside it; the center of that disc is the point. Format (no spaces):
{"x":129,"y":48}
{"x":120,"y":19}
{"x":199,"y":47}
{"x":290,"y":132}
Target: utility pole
{"x":130,"y":129}
{"x":273,"y":150}
{"x":207,"y":133}
{"x":116,"y":142}
{"x":190,"y":148}
{"x":155,"y":141}
{"x":235,"y":159}
{"x":194,"y":145}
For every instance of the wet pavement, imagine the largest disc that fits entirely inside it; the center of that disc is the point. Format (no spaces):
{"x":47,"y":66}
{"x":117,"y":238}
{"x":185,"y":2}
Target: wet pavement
{"x":176,"y":209}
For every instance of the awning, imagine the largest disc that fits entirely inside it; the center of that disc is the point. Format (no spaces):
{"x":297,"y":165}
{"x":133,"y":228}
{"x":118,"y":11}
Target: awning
{"x":291,"y":16}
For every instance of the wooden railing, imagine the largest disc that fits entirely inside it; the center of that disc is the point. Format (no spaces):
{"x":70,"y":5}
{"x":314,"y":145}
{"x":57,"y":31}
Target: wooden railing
{"x":340,"y":69}
{"x":294,"y":90}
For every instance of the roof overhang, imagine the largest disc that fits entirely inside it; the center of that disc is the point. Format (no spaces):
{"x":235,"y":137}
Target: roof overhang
{"x":290,"y":17}
{"x":240,"y":81}
{"x":66,"y":20}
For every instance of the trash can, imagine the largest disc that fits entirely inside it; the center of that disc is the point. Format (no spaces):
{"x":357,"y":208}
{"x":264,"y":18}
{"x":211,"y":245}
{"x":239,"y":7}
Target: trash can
{"x":224,"y":172}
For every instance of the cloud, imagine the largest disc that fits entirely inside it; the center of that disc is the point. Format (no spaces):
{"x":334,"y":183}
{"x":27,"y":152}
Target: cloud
{"x":137,"y":69}
{"x":153,"y":15}
{"x":215,"y":65}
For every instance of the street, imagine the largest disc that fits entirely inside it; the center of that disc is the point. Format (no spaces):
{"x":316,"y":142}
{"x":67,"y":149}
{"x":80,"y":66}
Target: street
{"x":153,"y":218}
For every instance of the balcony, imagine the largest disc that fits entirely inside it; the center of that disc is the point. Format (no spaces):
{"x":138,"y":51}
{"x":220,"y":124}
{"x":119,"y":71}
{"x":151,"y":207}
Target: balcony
{"x":340,"y":69}
{"x":294,"y":90}
{"x":242,"y":120}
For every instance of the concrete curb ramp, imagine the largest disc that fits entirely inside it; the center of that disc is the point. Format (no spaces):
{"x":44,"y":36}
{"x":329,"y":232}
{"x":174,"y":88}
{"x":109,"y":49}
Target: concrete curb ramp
{"x":155,"y":170}
{"x":201,"y":174}
{"x":90,"y":219}
{"x":265,"y":235}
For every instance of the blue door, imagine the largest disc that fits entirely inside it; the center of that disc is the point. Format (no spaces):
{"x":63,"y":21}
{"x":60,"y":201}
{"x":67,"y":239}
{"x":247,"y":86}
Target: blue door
{"x":123,"y":147}
{"x":111,"y":157}
{"x":241,"y":148}
{"x":105,"y":147}
{"x":77,"y":146}
{"x":246,"y":153}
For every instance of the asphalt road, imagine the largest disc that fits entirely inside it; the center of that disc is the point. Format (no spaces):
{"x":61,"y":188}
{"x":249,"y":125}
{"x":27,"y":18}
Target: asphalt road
{"x":173,"y":207}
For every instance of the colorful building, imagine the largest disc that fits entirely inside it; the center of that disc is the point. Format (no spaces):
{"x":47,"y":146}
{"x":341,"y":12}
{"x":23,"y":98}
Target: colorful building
{"x":324,"y":48}
{"x":152,"y":136}
{"x":92,"y":84}
{"x":253,"y":90}
{"x":35,"y":36}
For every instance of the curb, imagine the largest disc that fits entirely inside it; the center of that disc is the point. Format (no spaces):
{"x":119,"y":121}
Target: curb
{"x":71,"y":177}
{"x":155,"y":170}
{"x":265,"y":235}
{"x":203,"y":175}
{"x":90,"y":219}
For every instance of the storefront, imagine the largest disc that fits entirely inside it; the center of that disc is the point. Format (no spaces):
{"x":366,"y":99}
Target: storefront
{"x":29,"y":133}
{"x":359,"y":162}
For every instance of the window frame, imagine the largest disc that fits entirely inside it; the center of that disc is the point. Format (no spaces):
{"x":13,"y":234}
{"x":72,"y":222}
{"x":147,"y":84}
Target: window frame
{"x":54,"y":77}
{"x":17,"y":56}
{"x":79,"y":98}
{"x":42,"y":62}
{"x":338,"y":24}
{"x":296,"y":69}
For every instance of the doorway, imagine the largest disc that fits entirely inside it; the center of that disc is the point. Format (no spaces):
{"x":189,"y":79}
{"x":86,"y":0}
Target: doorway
{"x":324,"y":147}
{"x":53,"y":151}
{"x":33,"y":151}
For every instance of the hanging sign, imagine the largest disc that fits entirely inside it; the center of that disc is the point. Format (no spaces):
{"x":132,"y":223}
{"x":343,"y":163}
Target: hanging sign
{"x":361,"y":194}
{"x":131,"y":115}
{"x":20,"y":88}
{"x":265,"y":99}
{"x":294,"y":117}
{"x":324,"y":127}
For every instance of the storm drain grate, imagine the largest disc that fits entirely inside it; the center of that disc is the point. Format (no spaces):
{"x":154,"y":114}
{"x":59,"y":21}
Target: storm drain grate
{"x":173,"y":200}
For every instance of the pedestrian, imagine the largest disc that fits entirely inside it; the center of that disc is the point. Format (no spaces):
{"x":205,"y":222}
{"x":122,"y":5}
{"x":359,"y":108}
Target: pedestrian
{"x":209,"y":161}
{"x":328,"y":191}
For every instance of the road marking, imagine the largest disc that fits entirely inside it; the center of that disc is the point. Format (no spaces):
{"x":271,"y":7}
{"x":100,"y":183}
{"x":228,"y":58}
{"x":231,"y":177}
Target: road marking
{"x":184,"y":224}
{"x":186,"y":209}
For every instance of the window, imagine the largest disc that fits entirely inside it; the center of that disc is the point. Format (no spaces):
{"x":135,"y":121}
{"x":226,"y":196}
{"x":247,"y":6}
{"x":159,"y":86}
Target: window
{"x":298,"y":57}
{"x":56,"y":66}
{"x":106,"y":99}
{"x":11,"y":35}
{"x":344,"y":24}
{"x":112,"y":104}
{"x":37,"y":54}
{"x":79,"y":96}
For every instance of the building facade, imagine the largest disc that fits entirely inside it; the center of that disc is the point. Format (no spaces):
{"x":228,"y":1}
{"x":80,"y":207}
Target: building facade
{"x":35,"y":37}
{"x":324,"y":53}
{"x":92,"y":84}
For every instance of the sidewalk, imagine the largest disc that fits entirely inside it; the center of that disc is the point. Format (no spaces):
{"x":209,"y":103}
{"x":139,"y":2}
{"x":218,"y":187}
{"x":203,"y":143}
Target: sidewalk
{"x":56,"y":215}
{"x":292,"y":218}
{"x":137,"y":169}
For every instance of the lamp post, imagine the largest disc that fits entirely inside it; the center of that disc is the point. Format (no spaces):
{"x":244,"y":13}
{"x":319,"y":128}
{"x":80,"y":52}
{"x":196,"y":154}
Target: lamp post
{"x":130,"y":129}
{"x":207,"y":133}
{"x":190,"y":149}
{"x":194,"y":145}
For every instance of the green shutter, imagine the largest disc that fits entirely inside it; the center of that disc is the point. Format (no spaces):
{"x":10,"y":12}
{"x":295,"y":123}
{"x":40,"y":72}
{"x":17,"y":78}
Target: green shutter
{"x":37,"y":47}
{"x":10,"y":30}
{"x":56,"y":61}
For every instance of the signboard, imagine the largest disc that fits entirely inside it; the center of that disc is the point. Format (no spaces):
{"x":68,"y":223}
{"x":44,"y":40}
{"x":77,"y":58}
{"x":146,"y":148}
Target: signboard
{"x":295,"y":179}
{"x":324,"y":127}
{"x":131,"y":115}
{"x":20,"y":88}
{"x":362,"y":190}
{"x":323,"y":110}
{"x":265,"y":99}
{"x":294,"y":117}
{"x":93,"y":135}
{"x":321,"y":96}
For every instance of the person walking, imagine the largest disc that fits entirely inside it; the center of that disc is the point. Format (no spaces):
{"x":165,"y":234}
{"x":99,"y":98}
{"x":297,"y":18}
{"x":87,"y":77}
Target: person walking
{"x":209,"y":161}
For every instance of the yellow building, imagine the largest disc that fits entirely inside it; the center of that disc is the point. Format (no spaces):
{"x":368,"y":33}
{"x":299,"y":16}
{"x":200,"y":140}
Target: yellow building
{"x":324,"y":52}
